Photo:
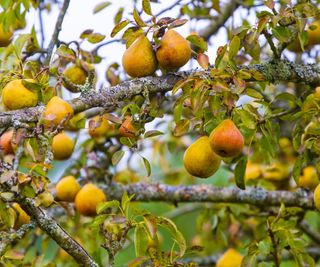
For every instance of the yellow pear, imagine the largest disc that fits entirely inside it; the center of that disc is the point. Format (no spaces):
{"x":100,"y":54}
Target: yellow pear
{"x":16,"y":96}
{"x":174,"y":51}
{"x":231,"y":258}
{"x":314,"y":33}
{"x":276,"y":172}
{"x":226,"y":140}
{"x":62,"y":146}
{"x":139,"y":59}
{"x":76,"y":75}
{"x":57,"y":110}
{"x":316,"y":197}
{"x":309,"y":178}
{"x":200,"y":160}
{"x":5,"y":36}
{"x":253,"y":171}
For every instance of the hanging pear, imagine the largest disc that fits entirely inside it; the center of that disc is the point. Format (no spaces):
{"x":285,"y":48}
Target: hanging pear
{"x":226,"y":140}
{"x":200,"y":160}
{"x":174,"y":51}
{"x":139,"y":59}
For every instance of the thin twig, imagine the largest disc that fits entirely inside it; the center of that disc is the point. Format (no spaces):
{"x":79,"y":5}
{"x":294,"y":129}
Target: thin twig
{"x":57,"y":30}
{"x":275,"y":51}
{"x":41,"y":23}
{"x":314,"y":235}
{"x":6,"y":242}
{"x":274,"y":244}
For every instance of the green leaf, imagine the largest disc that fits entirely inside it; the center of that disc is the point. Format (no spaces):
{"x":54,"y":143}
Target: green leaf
{"x":95,"y":38}
{"x":146,"y":7}
{"x":117,"y":156}
{"x":109,"y":204}
{"x":177,"y":235}
{"x":152,"y":133}
{"x":138,"y":19}
{"x":66,"y":52}
{"x":118,"y":16}
{"x":220,"y":54}
{"x":297,"y":167}
{"x":253,"y":93}
{"x":119,"y":27}
{"x":182,"y":127}
{"x":198,"y":41}
{"x":146,"y":165}
{"x":100,"y":7}
{"x":140,"y":240}
{"x":248,"y":120}
{"x":239,"y":172}
{"x":234,"y":47}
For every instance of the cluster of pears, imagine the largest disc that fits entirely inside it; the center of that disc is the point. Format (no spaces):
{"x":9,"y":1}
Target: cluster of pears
{"x":86,"y":199}
{"x":313,"y":33}
{"x":141,"y":60}
{"x":203,"y":157}
{"x":58,"y":112}
{"x":99,"y":126}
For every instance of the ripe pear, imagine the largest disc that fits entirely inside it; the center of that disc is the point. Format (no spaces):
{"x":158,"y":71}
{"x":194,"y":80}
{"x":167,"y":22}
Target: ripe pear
{"x":226,"y":140}
{"x":174,"y":51}
{"x":200,"y":160}
{"x":5,"y":36}
{"x":139,"y":59}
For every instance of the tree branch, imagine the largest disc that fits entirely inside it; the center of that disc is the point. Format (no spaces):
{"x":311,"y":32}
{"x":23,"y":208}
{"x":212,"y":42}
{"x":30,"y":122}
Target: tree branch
{"x":56,"y":232}
{"x":57,"y":30}
{"x":9,"y":239}
{"x":110,"y":98}
{"x":207,"y":193}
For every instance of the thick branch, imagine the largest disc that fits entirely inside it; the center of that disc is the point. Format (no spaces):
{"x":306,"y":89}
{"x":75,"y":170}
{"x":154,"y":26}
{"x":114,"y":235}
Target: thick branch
{"x":207,"y":193}
{"x":112,"y":98}
{"x":57,"y":233}
{"x":57,"y":30}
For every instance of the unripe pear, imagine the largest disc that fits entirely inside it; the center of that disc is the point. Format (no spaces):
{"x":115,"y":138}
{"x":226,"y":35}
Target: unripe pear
{"x":139,"y":59}
{"x":174,"y":51}
{"x":226,"y":140}
{"x":200,"y":160}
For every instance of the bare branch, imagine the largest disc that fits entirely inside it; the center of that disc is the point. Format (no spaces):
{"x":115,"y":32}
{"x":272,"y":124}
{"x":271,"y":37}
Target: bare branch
{"x":57,"y":30}
{"x":207,"y":193}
